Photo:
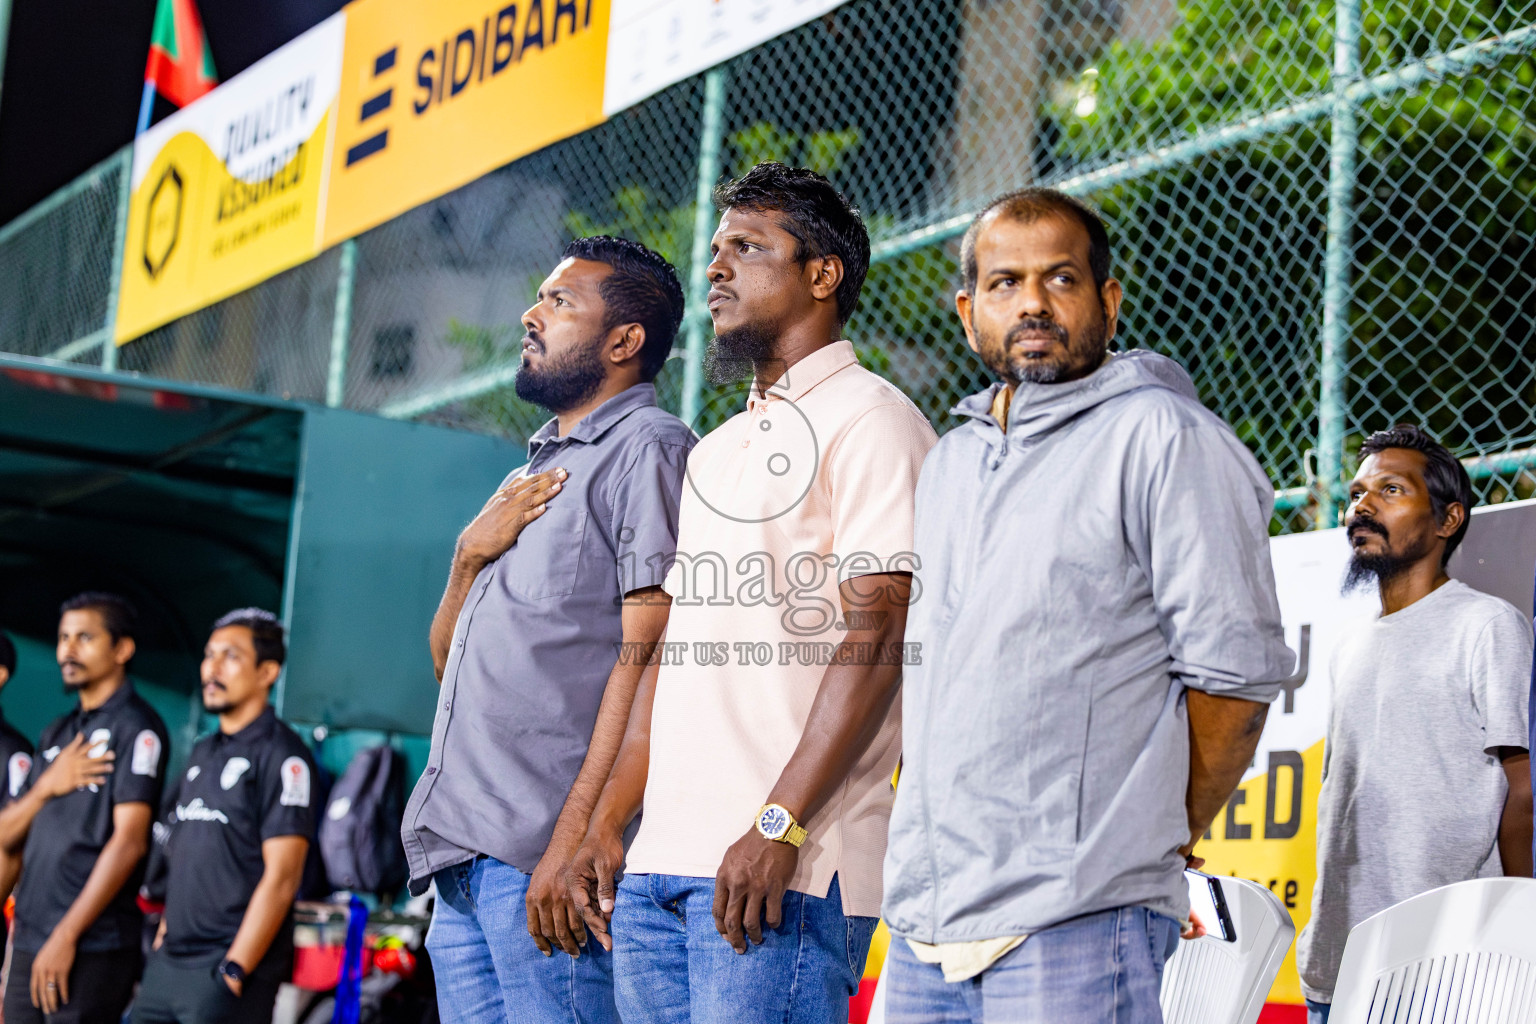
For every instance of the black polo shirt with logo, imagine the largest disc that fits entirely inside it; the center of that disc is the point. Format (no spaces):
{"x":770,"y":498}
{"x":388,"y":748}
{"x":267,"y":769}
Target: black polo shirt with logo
{"x":15,"y":761}
{"x":69,"y":832}
{"x":237,"y":791}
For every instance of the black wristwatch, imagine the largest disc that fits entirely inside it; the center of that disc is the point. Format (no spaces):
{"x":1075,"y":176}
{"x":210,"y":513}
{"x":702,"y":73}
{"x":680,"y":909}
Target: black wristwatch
{"x":231,"y":970}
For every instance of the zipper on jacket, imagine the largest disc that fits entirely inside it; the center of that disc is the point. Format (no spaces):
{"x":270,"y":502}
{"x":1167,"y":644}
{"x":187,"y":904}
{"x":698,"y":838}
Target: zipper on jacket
{"x":994,"y":462}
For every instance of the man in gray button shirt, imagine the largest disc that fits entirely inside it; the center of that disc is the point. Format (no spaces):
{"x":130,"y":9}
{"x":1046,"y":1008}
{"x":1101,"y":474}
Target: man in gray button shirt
{"x":552,"y":609}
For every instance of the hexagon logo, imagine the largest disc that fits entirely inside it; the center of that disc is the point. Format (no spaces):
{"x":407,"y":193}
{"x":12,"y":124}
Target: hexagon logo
{"x":162,"y":221}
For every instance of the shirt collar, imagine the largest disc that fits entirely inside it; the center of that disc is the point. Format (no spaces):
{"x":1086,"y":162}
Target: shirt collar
{"x":795,"y":382}
{"x":979,"y":405}
{"x":257,"y":729}
{"x":597,"y":422}
{"x":117,"y":700}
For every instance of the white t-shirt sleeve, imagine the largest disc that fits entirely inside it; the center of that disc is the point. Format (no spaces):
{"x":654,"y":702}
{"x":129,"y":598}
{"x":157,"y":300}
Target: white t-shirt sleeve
{"x":1501,"y":679}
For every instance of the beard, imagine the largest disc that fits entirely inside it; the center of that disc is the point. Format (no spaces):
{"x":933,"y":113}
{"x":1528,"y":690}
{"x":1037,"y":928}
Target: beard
{"x":80,"y":683}
{"x":1367,"y":570}
{"x":218,"y":703}
{"x":1373,"y":571}
{"x":733,"y":355}
{"x":566,"y":381}
{"x":1082,"y":355}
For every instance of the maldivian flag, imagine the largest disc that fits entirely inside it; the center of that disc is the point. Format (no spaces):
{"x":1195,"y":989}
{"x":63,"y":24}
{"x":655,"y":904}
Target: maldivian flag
{"x":180,"y":68}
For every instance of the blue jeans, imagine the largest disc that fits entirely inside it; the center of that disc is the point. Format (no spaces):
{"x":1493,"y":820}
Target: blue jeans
{"x":1104,"y":968}
{"x":672,"y":967}
{"x":1317,"y":1013}
{"x":488,"y":969}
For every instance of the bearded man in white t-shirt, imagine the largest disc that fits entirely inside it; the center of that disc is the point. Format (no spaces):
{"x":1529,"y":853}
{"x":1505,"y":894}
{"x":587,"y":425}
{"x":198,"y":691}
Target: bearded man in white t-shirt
{"x":1426,"y":774}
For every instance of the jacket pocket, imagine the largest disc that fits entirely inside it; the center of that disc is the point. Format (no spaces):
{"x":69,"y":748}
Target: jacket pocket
{"x":546,"y":559}
{"x":1054,"y":759}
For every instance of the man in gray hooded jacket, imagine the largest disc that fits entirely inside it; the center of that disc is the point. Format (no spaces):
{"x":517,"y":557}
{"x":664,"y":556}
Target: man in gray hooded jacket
{"x":1100,"y":640}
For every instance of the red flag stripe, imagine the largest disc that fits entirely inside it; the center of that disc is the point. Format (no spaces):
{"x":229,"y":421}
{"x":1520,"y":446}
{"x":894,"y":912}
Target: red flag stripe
{"x":180,"y":79}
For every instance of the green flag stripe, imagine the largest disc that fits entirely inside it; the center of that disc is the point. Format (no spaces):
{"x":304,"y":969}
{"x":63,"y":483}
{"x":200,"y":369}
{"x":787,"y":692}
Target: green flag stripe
{"x":164,"y":34}
{"x":208,"y":72}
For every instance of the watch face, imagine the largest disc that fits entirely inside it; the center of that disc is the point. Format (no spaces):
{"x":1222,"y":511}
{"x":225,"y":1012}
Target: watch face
{"x":773,"y":822}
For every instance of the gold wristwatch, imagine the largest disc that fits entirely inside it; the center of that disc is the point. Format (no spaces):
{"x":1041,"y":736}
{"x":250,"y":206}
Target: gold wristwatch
{"x":776,"y":823}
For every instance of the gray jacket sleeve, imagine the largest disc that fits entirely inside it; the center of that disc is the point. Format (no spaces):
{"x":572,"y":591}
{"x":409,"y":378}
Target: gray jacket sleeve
{"x":1213,"y":585}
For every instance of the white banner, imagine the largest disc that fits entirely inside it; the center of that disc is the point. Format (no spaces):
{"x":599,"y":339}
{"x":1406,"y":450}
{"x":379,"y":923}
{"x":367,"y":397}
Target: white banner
{"x":654,"y":43}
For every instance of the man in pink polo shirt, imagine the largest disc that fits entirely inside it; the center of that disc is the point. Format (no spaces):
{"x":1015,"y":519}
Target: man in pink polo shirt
{"x":763,"y":739}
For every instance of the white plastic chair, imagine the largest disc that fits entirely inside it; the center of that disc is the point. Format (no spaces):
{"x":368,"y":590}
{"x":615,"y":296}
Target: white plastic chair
{"x":1211,"y":981}
{"x":1460,"y":954}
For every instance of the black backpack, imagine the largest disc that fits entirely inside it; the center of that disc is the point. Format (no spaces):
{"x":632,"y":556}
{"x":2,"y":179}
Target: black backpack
{"x":360,"y":832}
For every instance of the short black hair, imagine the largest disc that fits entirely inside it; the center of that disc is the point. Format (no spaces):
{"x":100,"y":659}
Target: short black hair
{"x":1030,"y":204}
{"x":815,"y":213}
{"x":266,"y":632}
{"x":1444,"y":474}
{"x":119,"y":617}
{"x":7,"y":655}
{"x":643,"y":289}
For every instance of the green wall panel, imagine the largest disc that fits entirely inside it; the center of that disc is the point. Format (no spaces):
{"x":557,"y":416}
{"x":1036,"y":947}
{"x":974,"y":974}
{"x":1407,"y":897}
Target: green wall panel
{"x":378,"y":506}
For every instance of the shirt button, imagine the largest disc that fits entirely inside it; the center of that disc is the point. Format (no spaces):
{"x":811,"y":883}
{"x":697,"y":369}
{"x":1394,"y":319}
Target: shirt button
{"x":431,"y":771}
{"x":746,"y":444}
{"x":459,"y":644}
{"x":447,"y":705}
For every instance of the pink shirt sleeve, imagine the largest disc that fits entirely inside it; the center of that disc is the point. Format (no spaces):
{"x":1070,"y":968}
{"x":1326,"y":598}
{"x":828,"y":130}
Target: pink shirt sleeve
{"x":872,"y":480}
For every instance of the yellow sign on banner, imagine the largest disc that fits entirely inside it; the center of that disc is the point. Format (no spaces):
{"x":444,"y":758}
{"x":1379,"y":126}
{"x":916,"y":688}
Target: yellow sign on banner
{"x":435,"y":95}
{"x":230,"y":190}
{"x":380,"y":108}
{"x":1269,"y":833}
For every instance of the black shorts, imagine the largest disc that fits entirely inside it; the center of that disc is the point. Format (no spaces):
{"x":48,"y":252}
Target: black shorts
{"x":100,"y":985}
{"x":175,"y":992}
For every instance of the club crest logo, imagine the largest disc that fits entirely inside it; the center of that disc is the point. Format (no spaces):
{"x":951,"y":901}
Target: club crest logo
{"x":146,"y":754}
{"x":295,"y":775}
{"x":233,"y":769}
{"x":16,"y":772}
{"x":99,"y":742}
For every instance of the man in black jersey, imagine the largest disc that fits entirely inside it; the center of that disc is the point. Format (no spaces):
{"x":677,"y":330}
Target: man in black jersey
{"x":15,"y":763}
{"x":81,"y":828}
{"x":15,"y":749}
{"x":243,"y":820}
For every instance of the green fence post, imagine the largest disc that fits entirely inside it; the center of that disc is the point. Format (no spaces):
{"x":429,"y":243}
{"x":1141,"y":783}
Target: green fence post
{"x":1338,"y":256}
{"x":341,"y":324}
{"x":5,"y":35}
{"x":703,"y":231}
{"x":119,"y":240}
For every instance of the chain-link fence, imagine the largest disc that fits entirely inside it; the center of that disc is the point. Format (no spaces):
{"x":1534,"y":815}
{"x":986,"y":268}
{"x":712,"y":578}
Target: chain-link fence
{"x":1324,"y":212}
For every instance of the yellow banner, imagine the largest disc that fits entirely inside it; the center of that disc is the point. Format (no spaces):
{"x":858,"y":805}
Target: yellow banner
{"x":1269,"y":833}
{"x":230,"y":190}
{"x":434,"y":95}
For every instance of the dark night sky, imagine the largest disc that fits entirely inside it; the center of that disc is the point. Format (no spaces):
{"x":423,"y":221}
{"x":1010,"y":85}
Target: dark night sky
{"x":74,"y":71}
